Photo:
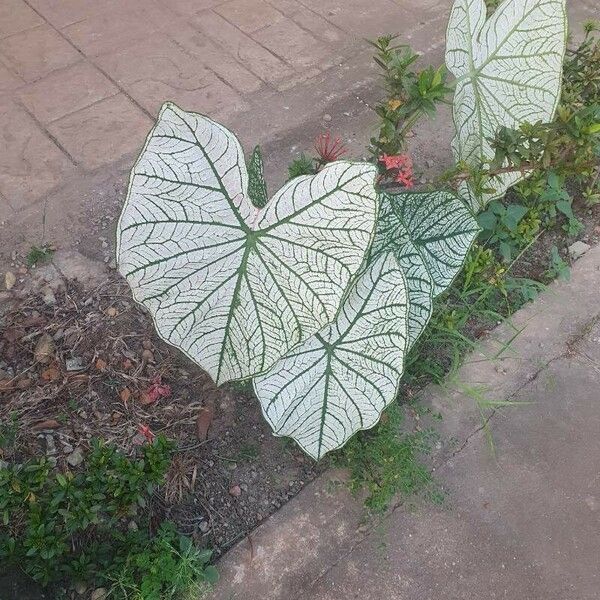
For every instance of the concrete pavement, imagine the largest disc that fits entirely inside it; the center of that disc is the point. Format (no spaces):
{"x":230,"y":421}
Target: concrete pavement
{"x":520,"y":523}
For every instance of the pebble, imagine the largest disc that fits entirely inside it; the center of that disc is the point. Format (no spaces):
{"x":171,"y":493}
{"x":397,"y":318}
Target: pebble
{"x":326,"y":117}
{"x":235,"y":491}
{"x":204,"y":526}
{"x":9,"y":280}
{"x":74,"y":364}
{"x":48,"y":296}
{"x":98,"y":594}
{"x":578,"y":249}
{"x":76,"y":457}
{"x":50,"y":445}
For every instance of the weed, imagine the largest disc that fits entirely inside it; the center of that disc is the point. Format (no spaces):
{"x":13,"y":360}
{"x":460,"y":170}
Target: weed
{"x":39,"y":254}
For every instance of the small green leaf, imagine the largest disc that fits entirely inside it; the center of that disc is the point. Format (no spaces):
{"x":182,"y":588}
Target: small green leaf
{"x":257,"y":187}
{"x":211,"y":574}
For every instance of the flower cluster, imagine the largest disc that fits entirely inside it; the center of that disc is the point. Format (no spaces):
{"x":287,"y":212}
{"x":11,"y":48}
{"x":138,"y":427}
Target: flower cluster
{"x":401,"y":165}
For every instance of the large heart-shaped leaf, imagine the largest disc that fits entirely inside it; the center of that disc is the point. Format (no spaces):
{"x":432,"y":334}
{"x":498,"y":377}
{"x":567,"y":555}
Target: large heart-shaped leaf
{"x":232,"y":286}
{"x":340,"y":380}
{"x":508,"y":71}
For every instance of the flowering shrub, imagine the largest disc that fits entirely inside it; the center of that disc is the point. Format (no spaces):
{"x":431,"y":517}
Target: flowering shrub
{"x":319,"y":293}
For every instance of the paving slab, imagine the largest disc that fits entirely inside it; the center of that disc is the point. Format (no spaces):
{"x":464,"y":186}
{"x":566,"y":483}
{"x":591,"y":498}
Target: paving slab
{"x":521,"y":521}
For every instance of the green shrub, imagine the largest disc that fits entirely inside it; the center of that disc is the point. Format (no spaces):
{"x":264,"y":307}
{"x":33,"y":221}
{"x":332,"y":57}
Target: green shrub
{"x":77,"y":527}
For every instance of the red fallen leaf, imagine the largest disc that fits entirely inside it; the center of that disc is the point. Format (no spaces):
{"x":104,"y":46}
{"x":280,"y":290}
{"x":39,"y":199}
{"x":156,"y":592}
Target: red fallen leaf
{"x":204,"y":420}
{"x":156,"y":390}
{"x":146,"y":432}
{"x":46,"y":424}
{"x":50,"y":374}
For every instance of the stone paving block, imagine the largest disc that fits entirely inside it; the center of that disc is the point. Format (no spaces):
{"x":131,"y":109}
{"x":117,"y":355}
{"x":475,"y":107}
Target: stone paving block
{"x":109,"y":30}
{"x":249,"y":15}
{"x":157,"y":70}
{"x":290,"y":42}
{"x":253,"y":56}
{"x":190,"y":7}
{"x":37,"y":52}
{"x":34,"y":164}
{"x":16,"y":16}
{"x":309,"y":20}
{"x":66,"y":91}
{"x":104,"y":132}
{"x":225,"y":66}
{"x":61,"y":13}
{"x":8,"y":80}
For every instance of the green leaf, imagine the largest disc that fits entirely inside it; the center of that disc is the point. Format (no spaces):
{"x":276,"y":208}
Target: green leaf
{"x":232,"y":286}
{"x":508,"y":71}
{"x":514,"y":214}
{"x":340,"y":380}
{"x":257,"y":187}
{"x":211,"y":574}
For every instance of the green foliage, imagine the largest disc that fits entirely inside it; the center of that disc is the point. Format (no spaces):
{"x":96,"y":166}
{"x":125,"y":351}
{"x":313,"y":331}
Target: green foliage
{"x":257,"y":187}
{"x":303,"y":165}
{"x":409,"y":94}
{"x":558,"y":268}
{"x":73,"y":526}
{"x":39,"y":254}
{"x":386,"y":461}
{"x":163,"y":567}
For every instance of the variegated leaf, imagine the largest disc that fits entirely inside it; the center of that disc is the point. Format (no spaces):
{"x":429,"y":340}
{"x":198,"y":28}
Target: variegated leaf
{"x":340,"y":380}
{"x":436,"y":224}
{"x":508,"y":71}
{"x":232,"y":286}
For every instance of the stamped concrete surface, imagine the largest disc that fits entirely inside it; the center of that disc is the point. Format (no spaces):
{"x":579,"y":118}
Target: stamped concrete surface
{"x":521,"y":522}
{"x":81,"y":82}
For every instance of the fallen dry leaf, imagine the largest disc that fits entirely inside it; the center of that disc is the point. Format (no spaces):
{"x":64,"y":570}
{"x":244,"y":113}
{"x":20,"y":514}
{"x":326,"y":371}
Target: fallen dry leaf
{"x":204,"y":421}
{"x":101,"y":364}
{"x":5,"y":384}
{"x":44,"y":349}
{"x":125,"y":395}
{"x":24,"y":383}
{"x":46,"y":424}
{"x":9,"y":280}
{"x":112,"y":312}
{"x":127,"y":364}
{"x":50,"y":374}
{"x":147,"y":355}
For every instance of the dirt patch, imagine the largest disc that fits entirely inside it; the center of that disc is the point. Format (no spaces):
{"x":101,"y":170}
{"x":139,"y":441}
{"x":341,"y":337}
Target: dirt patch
{"x":77,"y":364}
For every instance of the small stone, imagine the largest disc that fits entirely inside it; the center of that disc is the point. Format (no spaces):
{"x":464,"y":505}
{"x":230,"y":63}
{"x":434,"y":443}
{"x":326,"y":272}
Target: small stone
{"x":147,"y":345}
{"x":132,"y":526}
{"x":204,"y":526}
{"x":98,"y":594}
{"x":9,"y":280}
{"x":147,"y":355}
{"x":50,"y":445}
{"x":578,"y":249}
{"x":235,"y":491}
{"x":429,"y":163}
{"x":76,"y":457}
{"x":74,"y":364}
{"x":48,"y":296}
{"x":244,"y":487}
{"x":326,"y":117}
{"x":80,"y":588}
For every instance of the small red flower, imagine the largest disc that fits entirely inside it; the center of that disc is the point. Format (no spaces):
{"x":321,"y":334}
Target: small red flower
{"x":146,"y":432}
{"x":402,"y":165}
{"x":157,"y":390}
{"x":329,"y":150}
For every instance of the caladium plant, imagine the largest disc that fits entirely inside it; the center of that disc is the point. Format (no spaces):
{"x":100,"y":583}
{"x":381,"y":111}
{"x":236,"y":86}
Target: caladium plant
{"x":320,"y":292}
{"x":508,"y":72}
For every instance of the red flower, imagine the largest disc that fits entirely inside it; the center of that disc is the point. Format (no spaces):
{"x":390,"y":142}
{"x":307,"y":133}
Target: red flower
{"x":146,"y":432}
{"x":402,"y":164}
{"x":157,"y":390}
{"x":329,"y":150}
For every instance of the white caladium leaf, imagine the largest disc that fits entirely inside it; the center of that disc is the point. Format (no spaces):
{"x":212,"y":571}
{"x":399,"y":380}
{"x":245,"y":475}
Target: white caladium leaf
{"x":233,"y":286}
{"x":436,"y":225}
{"x":508,"y":71}
{"x":340,"y":380}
